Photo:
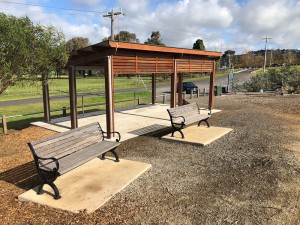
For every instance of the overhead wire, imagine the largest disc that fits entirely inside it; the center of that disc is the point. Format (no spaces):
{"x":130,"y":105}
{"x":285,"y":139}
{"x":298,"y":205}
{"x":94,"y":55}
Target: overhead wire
{"x":52,"y":7}
{"x":128,"y":18}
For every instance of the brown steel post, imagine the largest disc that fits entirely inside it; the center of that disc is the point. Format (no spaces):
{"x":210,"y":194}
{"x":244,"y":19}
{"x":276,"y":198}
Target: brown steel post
{"x":153,"y":88}
{"x":173,"y":86}
{"x":180,"y":88}
{"x":46,"y":101}
{"x":73,"y":98}
{"x":4,"y":124}
{"x":211,"y":87}
{"x":109,"y":96}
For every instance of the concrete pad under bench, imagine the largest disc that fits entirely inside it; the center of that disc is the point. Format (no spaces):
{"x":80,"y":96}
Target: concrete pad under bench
{"x":199,"y":135}
{"x":89,"y":186}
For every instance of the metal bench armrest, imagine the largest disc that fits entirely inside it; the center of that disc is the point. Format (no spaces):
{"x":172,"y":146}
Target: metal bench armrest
{"x":51,"y":158}
{"x":178,"y":117}
{"x":114,"y":132}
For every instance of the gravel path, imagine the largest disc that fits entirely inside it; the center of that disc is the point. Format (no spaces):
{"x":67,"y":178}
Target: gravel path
{"x":249,"y":176}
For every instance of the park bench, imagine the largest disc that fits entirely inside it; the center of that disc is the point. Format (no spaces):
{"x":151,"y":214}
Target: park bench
{"x":65,"y":151}
{"x":185,"y":115}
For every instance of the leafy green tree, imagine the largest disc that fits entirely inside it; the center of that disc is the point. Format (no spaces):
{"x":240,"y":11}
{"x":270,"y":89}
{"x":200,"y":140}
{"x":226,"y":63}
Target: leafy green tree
{"x":28,"y":51}
{"x":199,"y":44}
{"x":155,"y":39}
{"x":124,"y":36}
{"x":77,"y":43}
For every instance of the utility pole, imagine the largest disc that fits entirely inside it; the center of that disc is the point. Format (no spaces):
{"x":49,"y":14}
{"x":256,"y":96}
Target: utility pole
{"x":112,"y":15}
{"x":271,"y":56}
{"x":265,"y":60}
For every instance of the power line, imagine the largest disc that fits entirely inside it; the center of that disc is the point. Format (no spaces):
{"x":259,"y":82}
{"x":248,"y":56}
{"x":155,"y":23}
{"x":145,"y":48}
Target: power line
{"x":52,"y":7}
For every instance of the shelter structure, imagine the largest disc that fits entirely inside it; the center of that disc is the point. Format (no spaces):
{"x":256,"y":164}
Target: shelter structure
{"x":131,"y":58}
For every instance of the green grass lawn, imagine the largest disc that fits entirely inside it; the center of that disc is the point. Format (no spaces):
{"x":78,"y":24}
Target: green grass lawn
{"x":61,"y":87}
{"x":90,"y":102}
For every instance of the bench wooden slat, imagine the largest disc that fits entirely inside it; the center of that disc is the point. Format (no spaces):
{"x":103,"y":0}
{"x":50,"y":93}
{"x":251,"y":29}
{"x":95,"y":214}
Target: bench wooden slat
{"x":73,"y":147}
{"x":65,"y":143}
{"x":80,"y":157}
{"x":65,"y":135}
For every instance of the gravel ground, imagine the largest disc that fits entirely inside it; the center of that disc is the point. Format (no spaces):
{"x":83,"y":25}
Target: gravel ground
{"x":249,"y":176}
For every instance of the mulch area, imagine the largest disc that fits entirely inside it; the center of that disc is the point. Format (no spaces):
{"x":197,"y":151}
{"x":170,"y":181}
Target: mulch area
{"x":249,"y":176}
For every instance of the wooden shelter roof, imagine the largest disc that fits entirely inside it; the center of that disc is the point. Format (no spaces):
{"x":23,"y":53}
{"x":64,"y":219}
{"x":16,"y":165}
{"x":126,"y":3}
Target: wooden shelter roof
{"x":92,"y":55}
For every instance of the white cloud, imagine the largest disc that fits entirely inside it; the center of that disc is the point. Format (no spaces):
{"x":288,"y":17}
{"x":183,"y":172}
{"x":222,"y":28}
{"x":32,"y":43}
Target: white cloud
{"x":277,"y":19}
{"x":134,"y":7}
{"x":222,"y":24}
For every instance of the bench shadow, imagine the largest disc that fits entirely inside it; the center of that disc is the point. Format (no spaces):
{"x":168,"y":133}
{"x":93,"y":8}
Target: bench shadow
{"x":155,"y":130}
{"x":23,"y":176}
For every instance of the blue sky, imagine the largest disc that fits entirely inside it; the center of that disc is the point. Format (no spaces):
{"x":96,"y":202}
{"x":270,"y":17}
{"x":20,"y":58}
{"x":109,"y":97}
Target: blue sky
{"x":222,"y":24}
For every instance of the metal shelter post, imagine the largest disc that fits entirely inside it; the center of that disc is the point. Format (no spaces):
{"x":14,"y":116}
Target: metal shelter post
{"x":180,"y":88}
{"x":73,"y":98}
{"x":153,"y":88}
{"x":46,"y":101}
{"x":109,"y":96}
{"x":211,"y":87}
{"x":173,"y":86}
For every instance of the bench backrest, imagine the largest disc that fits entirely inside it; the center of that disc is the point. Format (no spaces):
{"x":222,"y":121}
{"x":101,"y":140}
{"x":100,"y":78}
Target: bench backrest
{"x":184,"y":110}
{"x":65,"y":143}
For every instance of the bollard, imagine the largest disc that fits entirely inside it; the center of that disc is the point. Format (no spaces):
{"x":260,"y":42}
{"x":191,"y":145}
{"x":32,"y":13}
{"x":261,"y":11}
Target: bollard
{"x":164,"y":98}
{"x":191,"y":95}
{"x":198,"y":92}
{"x":138,"y":100}
{"x":64,"y":111}
{"x":4,"y":124}
{"x":204,"y":91}
{"x":184,"y":94}
{"x":134,"y":98}
{"x":82,"y":105}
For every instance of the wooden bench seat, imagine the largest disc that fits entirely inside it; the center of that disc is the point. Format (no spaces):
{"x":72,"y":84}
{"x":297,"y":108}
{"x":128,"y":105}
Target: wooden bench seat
{"x":185,"y":115}
{"x":65,"y":151}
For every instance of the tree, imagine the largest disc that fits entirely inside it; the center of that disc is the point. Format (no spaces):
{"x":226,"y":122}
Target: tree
{"x":124,"y":36}
{"x":199,"y":45}
{"x":77,"y":43}
{"x":228,"y":58}
{"x":28,"y":51}
{"x":155,"y":39}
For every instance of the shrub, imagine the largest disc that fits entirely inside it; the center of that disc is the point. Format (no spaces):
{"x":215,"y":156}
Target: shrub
{"x":285,"y":79}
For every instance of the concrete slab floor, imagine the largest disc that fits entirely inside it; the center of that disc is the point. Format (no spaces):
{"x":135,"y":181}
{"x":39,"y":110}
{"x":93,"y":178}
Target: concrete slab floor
{"x":89,"y":186}
{"x":199,"y":135}
{"x":130,"y":123}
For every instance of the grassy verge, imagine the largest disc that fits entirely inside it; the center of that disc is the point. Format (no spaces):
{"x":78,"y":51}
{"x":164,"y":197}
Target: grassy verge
{"x":98,"y":103}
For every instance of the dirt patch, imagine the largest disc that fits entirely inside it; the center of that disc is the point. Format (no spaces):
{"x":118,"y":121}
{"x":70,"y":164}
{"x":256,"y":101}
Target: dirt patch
{"x":249,"y":176}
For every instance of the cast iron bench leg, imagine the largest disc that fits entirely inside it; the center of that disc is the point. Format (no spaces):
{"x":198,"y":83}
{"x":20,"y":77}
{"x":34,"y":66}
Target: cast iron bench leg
{"x":53,"y":186}
{"x":49,"y":181}
{"x":114,"y":153}
{"x":182,"y":135}
{"x":204,"y":121}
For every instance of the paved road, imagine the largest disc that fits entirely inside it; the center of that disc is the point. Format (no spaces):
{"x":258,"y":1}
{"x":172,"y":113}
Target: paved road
{"x":241,"y":77}
{"x":220,"y":81}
